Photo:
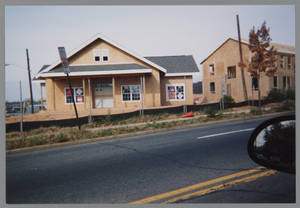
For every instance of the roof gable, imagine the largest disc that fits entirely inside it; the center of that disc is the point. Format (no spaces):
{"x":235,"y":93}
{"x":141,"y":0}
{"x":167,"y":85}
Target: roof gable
{"x":280,"y":47}
{"x":99,"y":36}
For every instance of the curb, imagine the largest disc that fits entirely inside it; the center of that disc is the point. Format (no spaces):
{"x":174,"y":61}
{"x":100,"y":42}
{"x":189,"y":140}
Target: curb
{"x":141,"y":133}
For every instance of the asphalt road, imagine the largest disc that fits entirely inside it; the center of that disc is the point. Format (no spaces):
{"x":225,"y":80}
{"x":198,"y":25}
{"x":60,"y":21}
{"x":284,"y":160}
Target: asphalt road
{"x":132,"y":169}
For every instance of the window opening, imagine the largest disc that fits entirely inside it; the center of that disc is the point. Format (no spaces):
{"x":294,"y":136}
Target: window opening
{"x":211,"y":70}
{"x":254,"y":83}
{"x":231,"y":72}
{"x":289,"y":62}
{"x":275,"y":82}
{"x":281,"y":61}
{"x":212,"y":88}
{"x":288,"y":82}
{"x":284,"y":82}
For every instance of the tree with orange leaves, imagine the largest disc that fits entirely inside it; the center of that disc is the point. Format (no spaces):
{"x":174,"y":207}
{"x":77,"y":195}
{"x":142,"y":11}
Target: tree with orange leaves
{"x":263,"y":56}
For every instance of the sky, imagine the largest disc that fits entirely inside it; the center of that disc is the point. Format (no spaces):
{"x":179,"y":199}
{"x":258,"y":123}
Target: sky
{"x":146,"y":30}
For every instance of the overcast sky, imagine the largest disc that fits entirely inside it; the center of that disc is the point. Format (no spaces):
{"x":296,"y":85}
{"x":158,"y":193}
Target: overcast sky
{"x":145,"y":30}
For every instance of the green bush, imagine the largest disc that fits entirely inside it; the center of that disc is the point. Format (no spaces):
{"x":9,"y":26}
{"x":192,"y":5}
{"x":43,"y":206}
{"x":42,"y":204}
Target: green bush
{"x":275,"y":96}
{"x":228,"y":102}
{"x":210,"y":111}
{"x":289,"y":95}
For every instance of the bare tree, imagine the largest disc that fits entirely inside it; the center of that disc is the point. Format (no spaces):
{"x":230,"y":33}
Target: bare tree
{"x":263,"y":58}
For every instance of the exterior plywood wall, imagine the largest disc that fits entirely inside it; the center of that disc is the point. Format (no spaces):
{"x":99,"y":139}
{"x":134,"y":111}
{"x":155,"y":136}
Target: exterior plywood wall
{"x":177,"y":80}
{"x":227,"y":56}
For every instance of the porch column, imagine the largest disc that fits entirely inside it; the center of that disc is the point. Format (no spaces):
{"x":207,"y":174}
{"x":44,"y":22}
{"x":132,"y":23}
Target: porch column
{"x":84,"y":94}
{"x":42,"y":103}
{"x":144,"y":88}
{"x":53,"y":84}
{"x":113,"y":85}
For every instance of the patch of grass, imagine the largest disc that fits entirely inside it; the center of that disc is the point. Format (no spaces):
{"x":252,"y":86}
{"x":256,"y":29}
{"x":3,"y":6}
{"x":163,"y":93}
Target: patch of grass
{"x":255,"y":111}
{"x":61,"y":138}
{"x":54,"y":128}
{"x":55,"y":134}
{"x":288,"y":105}
{"x":206,"y":119}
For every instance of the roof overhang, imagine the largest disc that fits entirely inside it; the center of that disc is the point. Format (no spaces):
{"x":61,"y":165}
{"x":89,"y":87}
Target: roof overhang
{"x":180,"y":74}
{"x":97,"y":73}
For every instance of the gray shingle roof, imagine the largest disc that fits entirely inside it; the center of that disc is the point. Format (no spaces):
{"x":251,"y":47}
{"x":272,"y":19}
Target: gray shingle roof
{"x":173,"y":64}
{"x":44,"y":67}
{"x":176,"y":64}
{"x":108,"y":67}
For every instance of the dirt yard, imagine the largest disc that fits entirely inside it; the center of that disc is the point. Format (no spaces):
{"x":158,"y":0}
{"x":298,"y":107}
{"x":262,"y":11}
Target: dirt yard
{"x":66,"y":114}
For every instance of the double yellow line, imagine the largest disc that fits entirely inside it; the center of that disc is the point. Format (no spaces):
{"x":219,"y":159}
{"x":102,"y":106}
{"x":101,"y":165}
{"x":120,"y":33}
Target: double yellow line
{"x":207,"y":183}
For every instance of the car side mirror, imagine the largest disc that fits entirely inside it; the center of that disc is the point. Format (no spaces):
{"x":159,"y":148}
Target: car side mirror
{"x":272,"y":144}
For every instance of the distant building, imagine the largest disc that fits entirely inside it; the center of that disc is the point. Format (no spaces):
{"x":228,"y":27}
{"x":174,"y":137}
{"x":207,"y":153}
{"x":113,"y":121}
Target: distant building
{"x":11,"y":105}
{"x":221,"y":67}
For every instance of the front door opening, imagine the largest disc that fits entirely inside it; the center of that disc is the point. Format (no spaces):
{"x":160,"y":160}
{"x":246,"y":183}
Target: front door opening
{"x":103,"y":96}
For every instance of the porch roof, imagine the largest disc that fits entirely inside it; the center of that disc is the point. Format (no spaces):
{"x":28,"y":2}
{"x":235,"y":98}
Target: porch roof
{"x":100,"y":69}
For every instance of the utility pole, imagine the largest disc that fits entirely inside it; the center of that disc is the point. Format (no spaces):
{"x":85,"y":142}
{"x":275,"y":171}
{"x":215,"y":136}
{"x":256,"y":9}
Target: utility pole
{"x":241,"y":59}
{"x":30,"y":85}
{"x":21,"y":110}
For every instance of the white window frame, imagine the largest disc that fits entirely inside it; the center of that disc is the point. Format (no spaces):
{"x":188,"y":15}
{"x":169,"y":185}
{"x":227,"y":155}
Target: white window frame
{"x":75,"y":97}
{"x":97,"y":52}
{"x":289,"y":62}
{"x":281,"y":61}
{"x":175,"y":92}
{"x":131,"y":93}
{"x":105,"y":53}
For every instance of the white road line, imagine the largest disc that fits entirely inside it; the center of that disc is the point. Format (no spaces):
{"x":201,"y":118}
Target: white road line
{"x":230,"y":132}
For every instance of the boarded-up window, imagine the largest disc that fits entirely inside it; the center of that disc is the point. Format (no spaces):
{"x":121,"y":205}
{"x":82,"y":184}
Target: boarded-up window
{"x":229,"y":89}
{"x":77,"y":93}
{"x":175,"y":92}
